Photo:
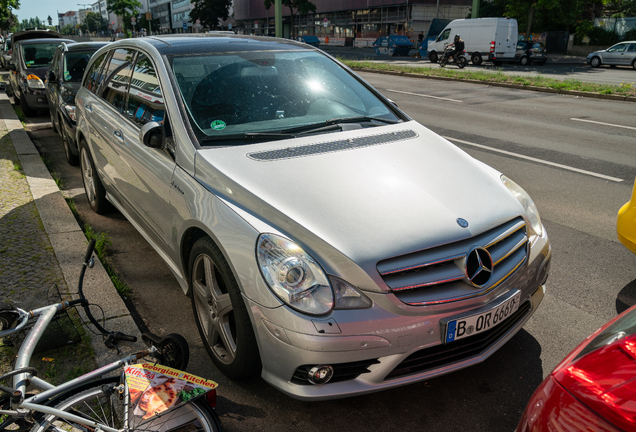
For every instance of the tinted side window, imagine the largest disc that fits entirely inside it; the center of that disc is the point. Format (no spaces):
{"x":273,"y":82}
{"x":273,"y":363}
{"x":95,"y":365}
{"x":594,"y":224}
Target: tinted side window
{"x":94,"y":75}
{"x":145,"y":102}
{"x":444,"y":35}
{"x":116,"y":78}
{"x":632,"y":48}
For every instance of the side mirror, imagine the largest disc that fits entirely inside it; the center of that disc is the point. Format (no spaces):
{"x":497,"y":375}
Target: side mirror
{"x":50,"y":77}
{"x":151,"y":134}
{"x":11,"y":66}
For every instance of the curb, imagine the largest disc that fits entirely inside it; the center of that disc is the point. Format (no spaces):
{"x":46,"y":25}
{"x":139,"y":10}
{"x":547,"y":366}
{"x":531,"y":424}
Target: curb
{"x":498,"y":84}
{"x":68,"y":240}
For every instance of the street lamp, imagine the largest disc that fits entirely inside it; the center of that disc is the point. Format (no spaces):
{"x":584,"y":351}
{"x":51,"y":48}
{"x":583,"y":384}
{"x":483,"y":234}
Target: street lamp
{"x":88,"y":27}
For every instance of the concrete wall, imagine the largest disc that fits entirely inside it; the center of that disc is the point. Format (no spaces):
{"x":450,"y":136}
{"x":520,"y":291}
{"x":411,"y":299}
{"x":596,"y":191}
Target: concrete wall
{"x":583,"y":50}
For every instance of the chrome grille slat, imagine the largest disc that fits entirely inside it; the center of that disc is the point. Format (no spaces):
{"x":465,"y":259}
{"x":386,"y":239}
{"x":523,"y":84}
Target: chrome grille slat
{"x":436,"y":275}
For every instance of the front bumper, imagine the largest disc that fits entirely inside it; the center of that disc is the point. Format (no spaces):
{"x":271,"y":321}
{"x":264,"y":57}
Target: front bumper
{"x":36,"y":99}
{"x":383,"y":347}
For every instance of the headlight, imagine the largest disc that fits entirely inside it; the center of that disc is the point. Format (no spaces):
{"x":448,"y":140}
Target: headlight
{"x":70,"y":110}
{"x":299,"y":281}
{"x":531,"y":210}
{"x":34,"y":82}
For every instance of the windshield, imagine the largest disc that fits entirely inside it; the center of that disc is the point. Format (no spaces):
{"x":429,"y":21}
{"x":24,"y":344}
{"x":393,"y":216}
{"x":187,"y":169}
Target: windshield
{"x":38,"y":55}
{"x":75,"y":64}
{"x":260,"y":92}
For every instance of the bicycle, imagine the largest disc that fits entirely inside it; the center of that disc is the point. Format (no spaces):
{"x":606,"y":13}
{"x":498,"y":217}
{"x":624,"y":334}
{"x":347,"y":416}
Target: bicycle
{"x":92,"y":403}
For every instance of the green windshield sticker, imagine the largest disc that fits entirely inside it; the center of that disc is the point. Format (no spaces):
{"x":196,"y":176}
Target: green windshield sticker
{"x":67,"y":76}
{"x":217,"y":125}
{"x":30,"y":62}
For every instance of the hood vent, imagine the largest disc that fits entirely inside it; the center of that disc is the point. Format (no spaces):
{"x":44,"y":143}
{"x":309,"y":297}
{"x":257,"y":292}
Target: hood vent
{"x":332,"y":146}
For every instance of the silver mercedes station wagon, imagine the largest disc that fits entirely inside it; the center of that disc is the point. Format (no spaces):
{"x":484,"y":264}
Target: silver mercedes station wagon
{"x":327,"y":241}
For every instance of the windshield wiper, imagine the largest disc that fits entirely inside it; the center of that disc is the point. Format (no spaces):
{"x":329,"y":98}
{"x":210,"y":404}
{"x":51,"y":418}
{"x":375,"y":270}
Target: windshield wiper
{"x":247,"y":136}
{"x":333,"y":124}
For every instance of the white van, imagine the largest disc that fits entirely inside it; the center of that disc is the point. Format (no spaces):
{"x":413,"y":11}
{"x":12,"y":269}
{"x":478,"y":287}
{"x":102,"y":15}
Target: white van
{"x":490,"y":39}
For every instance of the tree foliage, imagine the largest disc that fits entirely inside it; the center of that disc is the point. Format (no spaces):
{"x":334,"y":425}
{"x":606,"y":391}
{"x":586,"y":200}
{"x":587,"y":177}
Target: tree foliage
{"x":125,"y":9}
{"x":210,"y":12}
{"x":94,"y":22}
{"x":301,"y":7}
{"x":142,"y":22}
{"x":8,"y":20}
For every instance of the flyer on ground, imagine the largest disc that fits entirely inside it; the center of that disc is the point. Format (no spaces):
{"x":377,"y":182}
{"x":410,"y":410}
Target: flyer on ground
{"x":154,"y":389}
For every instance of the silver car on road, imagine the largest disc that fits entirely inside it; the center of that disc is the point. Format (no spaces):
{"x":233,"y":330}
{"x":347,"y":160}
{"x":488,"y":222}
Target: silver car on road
{"x":327,"y":241}
{"x":621,"y":54}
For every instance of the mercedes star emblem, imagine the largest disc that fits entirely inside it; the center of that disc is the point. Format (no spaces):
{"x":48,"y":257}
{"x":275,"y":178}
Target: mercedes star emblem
{"x":478,"y":267}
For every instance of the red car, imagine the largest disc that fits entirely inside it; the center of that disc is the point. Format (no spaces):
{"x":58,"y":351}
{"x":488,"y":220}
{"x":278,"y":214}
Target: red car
{"x":593,"y":388}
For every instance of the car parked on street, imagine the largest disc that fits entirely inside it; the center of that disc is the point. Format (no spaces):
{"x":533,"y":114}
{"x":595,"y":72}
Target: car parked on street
{"x":531,"y":52}
{"x":5,"y":51}
{"x":32,"y":54}
{"x":63,"y":79}
{"x":593,"y":388}
{"x":626,"y":223}
{"x":621,"y":54}
{"x":328,"y":242}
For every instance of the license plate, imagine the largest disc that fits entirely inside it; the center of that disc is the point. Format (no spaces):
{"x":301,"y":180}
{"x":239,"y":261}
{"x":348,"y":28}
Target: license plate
{"x":474,"y":324}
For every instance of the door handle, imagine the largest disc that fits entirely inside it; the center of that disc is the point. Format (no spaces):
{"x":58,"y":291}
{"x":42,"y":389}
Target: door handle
{"x":119,"y":135}
{"x":89,"y":107}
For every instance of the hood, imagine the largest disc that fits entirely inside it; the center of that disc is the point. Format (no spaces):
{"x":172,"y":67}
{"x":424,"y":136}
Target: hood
{"x":370,"y":202}
{"x":39,"y":72}
{"x":34,"y":34}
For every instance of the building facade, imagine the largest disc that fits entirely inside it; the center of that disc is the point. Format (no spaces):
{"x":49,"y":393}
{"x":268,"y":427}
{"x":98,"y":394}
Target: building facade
{"x":359,"y":19}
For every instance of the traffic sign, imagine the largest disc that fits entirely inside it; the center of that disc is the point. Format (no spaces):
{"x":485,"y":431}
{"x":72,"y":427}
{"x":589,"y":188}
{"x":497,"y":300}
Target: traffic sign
{"x":185,"y":26}
{"x":325,"y":22}
{"x":198,"y":22}
{"x":133,"y":20}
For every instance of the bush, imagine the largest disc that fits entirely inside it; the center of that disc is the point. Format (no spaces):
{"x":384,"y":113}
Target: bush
{"x":630,"y":35}
{"x":600,"y":36}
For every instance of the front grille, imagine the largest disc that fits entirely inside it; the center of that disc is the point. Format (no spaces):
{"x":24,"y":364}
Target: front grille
{"x":436,"y":275}
{"x":442,"y":355}
{"x":341,"y":372}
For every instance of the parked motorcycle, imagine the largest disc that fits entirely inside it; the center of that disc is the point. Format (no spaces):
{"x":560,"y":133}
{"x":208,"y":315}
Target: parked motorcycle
{"x":459,"y":59}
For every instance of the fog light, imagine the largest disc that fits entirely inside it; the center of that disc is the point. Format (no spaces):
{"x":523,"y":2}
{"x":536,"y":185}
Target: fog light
{"x":320,"y":374}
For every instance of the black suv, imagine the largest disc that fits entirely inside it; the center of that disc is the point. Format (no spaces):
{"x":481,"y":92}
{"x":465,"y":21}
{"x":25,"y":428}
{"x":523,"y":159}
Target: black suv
{"x":32,"y":54}
{"x":63,"y":79}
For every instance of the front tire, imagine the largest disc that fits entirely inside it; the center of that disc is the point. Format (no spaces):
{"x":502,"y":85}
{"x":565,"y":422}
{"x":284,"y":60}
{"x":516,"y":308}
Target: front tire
{"x":71,"y":158}
{"x":220,"y":312}
{"x":595,"y":62}
{"x":524,"y":60}
{"x":26,"y":109}
{"x":634,"y":64}
{"x":93,"y":187}
{"x":432,"y":56}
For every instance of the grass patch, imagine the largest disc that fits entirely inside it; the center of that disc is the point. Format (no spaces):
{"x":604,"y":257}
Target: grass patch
{"x":56,"y":178}
{"x":20,"y":115}
{"x":495,"y":75}
{"x":102,"y":243}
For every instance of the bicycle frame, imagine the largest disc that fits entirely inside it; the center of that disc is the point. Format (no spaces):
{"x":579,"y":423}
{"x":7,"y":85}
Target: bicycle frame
{"x":33,"y":404}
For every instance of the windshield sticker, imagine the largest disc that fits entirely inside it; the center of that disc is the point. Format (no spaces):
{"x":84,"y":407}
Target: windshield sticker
{"x":67,"y":76}
{"x":217,"y":125}
{"x":30,"y":62}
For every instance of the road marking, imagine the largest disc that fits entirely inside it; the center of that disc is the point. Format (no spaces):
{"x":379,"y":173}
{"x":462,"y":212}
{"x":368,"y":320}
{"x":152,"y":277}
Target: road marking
{"x":606,"y":124}
{"x":545,"y":162}
{"x":423,"y":95}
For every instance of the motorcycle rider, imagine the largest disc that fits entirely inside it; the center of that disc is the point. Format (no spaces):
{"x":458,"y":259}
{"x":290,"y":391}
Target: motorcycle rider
{"x":458,"y":47}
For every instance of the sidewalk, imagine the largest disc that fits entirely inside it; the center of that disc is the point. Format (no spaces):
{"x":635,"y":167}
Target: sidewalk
{"x":42,"y":243}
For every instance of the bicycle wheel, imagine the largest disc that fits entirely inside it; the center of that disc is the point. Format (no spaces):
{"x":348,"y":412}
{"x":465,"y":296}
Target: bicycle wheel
{"x":101,"y":404}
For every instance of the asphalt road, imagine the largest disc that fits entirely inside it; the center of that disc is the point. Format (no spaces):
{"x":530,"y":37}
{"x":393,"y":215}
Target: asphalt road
{"x":579,"y":174}
{"x":566,"y":69}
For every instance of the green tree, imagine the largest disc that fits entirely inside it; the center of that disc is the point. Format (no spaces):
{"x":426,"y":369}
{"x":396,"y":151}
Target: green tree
{"x":210,"y":12}
{"x":125,"y":9}
{"x":142,"y":22}
{"x":301,"y":7}
{"x":7,"y":19}
{"x":95,"y":22}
